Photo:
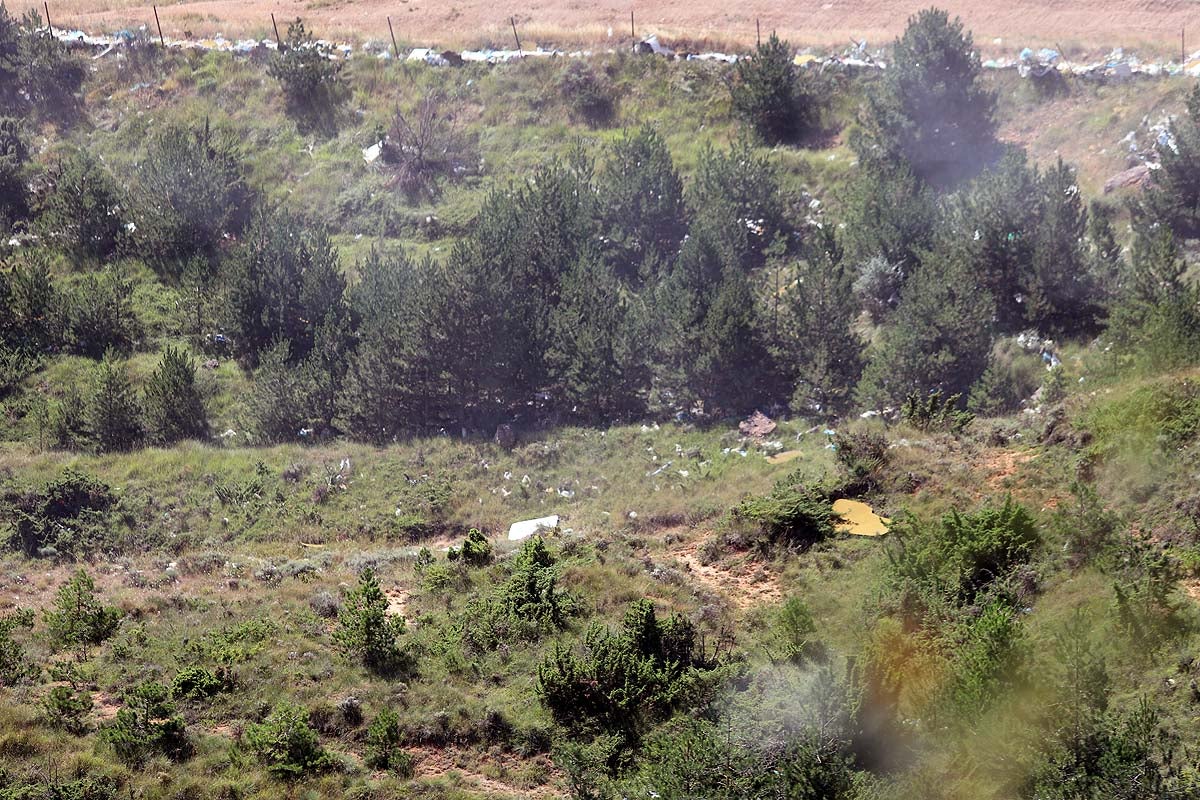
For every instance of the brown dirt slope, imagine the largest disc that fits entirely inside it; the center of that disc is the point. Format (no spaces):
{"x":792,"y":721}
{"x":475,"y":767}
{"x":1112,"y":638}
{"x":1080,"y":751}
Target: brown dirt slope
{"x":1150,"y":25}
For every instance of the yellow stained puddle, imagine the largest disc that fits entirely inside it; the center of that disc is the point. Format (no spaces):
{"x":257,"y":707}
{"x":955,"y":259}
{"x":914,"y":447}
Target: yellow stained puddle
{"x":858,"y":519}
{"x":784,"y":457}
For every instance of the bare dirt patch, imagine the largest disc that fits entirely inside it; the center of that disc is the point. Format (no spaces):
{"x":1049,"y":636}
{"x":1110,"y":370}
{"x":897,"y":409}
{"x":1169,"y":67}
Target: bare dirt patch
{"x":1084,"y":25}
{"x":432,"y":762}
{"x":1001,"y":465}
{"x":740,"y":581}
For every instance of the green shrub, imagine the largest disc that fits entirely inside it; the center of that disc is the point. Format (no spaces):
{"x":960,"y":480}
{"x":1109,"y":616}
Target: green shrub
{"x":285,"y":743}
{"x":233,"y":645}
{"x":791,"y":513}
{"x":476,"y":549}
{"x":588,"y":92}
{"x":627,"y":678}
{"x":147,"y":725}
{"x":52,"y":75}
{"x":933,"y":412}
{"x":793,"y":634}
{"x":66,"y":516}
{"x":863,"y":455}
{"x":195,"y":683}
{"x":960,"y":555}
{"x":79,"y":619}
{"x":384,"y":738}
{"x":67,"y":709}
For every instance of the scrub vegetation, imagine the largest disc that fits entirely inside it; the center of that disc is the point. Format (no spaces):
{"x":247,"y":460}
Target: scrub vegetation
{"x":286,"y":347}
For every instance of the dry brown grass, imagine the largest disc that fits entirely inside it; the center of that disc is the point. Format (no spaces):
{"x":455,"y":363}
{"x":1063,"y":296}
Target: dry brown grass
{"x":1087,"y":25}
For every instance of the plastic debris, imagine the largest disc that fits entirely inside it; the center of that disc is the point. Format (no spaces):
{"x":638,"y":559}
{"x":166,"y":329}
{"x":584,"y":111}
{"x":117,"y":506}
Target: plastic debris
{"x":526,"y":528}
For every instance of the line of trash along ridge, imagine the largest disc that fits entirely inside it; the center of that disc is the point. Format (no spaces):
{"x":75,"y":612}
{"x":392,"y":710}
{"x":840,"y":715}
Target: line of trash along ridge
{"x":1028,"y":63}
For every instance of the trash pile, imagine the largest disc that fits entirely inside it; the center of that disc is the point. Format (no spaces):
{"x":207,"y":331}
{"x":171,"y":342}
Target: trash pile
{"x":1027,"y":63}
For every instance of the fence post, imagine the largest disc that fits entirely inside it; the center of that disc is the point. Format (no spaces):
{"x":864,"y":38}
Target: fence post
{"x":159,"y":24}
{"x":757,"y":32}
{"x":513,"y":21}
{"x":632,"y":29}
{"x":49,"y":27}
{"x":278,"y":41}
{"x":395,"y":49}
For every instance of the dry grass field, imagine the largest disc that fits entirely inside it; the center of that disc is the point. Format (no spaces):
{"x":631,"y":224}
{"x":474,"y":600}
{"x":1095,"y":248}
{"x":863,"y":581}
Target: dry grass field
{"x":1150,"y":26}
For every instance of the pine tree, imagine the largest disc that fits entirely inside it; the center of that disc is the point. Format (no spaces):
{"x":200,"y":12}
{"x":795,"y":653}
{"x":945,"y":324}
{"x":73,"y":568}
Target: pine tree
{"x":13,"y":156}
{"x":278,"y":400}
{"x":173,"y":406}
{"x":392,"y":381}
{"x":1061,"y":291}
{"x":365,"y":631}
{"x":641,"y":204}
{"x":997,"y":218}
{"x":940,"y":337}
{"x":598,"y":355}
{"x":822,"y":351}
{"x":114,"y":415}
{"x":931,"y":110}
{"x":731,"y":373}
{"x":84,"y":208}
{"x":284,"y":283}
{"x":766,"y":93}
{"x":1174,"y":197}
{"x":742,"y":185}
{"x":79,"y":620}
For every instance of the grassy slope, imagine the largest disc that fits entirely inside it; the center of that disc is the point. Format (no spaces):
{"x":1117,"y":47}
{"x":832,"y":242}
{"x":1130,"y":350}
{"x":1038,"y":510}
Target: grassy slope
{"x":609,"y":558}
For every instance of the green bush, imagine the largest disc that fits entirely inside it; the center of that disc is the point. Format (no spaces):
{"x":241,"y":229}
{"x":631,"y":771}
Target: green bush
{"x":627,"y":678}
{"x":933,"y":412}
{"x":285,"y":743}
{"x":196,"y":683}
{"x":588,"y":92}
{"x":67,"y":516}
{"x":67,"y":709}
{"x":148,"y":725}
{"x":791,"y":513}
{"x":476,"y":549}
{"x":384,"y":738}
{"x":961,"y":555}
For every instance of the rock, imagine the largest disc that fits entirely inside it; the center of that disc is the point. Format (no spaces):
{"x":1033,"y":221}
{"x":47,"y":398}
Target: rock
{"x":757,"y":426}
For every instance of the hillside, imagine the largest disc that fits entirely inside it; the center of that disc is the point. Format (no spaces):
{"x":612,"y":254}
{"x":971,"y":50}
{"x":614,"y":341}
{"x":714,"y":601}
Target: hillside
{"x":375,"y":429}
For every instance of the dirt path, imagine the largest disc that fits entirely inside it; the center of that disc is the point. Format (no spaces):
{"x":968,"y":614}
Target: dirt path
{"x":1093,"y":25}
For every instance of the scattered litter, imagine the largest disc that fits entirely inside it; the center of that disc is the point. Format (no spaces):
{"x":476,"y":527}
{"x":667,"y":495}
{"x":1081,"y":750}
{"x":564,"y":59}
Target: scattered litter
{"x":371,"y":154}
{"x":858,"y":519}
{"x":526,"y":528}
{"x":660,"y":470}
{"x":1027,"y":63}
